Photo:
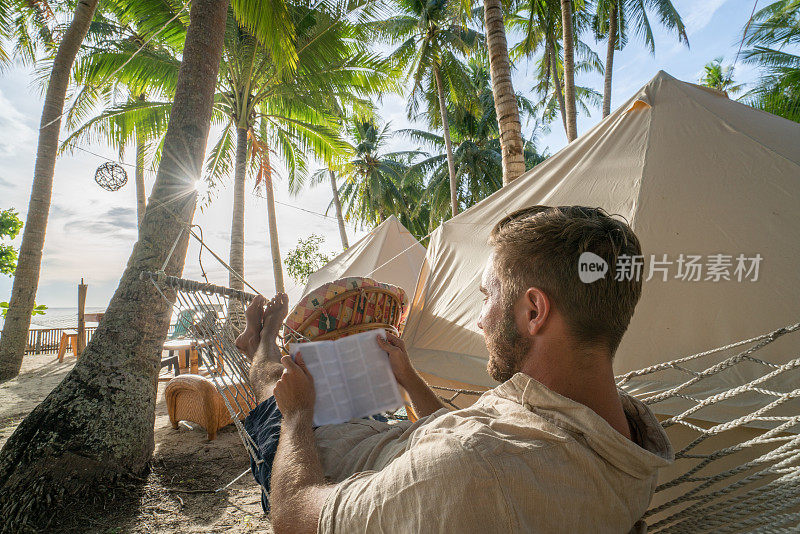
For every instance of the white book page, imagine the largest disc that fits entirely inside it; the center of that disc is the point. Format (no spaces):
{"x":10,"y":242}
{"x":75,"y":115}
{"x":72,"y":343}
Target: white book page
{"x":352,"y":377}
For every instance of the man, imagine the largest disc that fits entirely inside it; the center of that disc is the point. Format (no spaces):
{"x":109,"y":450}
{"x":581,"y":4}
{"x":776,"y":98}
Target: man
{"x":554,"y":448}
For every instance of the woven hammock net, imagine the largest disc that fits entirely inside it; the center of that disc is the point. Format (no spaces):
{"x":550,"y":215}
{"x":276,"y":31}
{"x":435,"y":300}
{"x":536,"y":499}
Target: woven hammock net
{"x":736,"y":470}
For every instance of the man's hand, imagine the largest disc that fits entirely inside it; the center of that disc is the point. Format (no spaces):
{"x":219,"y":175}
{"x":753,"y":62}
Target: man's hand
{"x":395,"y":347}
{"x":294,"y":392}
{"x":423,"y":399}
{"x":298,"y":484}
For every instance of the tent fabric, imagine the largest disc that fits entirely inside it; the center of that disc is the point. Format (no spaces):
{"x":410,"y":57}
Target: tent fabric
{"x":388,"y":254}
{"x":694,"y":173}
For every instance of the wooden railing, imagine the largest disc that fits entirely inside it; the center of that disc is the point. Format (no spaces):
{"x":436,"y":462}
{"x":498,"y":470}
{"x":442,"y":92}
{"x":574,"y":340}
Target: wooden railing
{"x":46,"y":340}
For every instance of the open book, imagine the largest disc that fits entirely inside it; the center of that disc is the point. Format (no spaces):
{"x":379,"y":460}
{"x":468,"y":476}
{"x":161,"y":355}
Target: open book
{"x":352,"y":377}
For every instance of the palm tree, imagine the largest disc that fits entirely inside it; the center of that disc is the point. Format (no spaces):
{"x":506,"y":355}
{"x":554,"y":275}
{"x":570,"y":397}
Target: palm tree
{"x":293,"y":111}
{"x":373,"y":178}
{"x":329,"y":174}
{"x":431,"y":39}
{"x":774,"y":35}
{"x":719,"y":77}
{"x":148,"y":79}
{"x":26,"y":277}
{"x":505,"y":99}
{"x":567,"y":39}
{"x":477,"y":154}
{"x":540,"y":23}
{"x":338,"y":206}
{"x":102,"y":412}
{"x":611,"y":22}
{"x":28,"y":25}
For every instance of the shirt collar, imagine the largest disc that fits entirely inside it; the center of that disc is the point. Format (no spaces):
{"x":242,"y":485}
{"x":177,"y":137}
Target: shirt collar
{"x":584,"y":423}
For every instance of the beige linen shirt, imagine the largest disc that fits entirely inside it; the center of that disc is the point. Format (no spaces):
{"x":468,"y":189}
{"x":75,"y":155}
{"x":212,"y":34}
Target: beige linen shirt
{"x":521,"y":459}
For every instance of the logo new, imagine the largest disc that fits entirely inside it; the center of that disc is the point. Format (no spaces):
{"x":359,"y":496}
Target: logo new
{"x":591,"y":267}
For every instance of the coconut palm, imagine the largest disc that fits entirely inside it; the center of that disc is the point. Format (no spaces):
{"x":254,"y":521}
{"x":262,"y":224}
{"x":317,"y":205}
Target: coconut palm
{"x":338,"y":207}
{"x":28,"y":26}
{"x":431,"y":39}
{"x":612,"y":22}
{"x":479,"y":169}
{"x":293,"y":112}
{"x":26,"y":277}
{"x":372,"y":188}
{"x":102,"y":412}
{"x":719,"y":77}
{"x":540,"y":23}
{"x":774,"y":35}
{"x":264,"y":18}
{"x":568,"y":36}
{"x":145,"y":83}
{"x":505,"y":99}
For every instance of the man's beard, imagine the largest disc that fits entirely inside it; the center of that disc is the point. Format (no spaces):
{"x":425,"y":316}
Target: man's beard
{"x":507,"y":348}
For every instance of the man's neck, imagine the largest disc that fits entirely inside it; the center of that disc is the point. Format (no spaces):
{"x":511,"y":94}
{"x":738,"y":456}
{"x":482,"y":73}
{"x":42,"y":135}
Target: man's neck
{"x":587,"y":378}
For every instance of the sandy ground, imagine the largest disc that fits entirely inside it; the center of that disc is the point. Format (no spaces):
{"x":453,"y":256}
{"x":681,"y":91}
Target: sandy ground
{"x":184,"y":460}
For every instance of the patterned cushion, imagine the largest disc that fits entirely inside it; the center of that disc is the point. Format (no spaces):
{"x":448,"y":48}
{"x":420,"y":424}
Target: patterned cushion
{"x":364,"y":308}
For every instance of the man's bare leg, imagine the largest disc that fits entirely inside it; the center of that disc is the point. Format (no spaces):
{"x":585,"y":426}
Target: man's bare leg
{"x":266,"y":367}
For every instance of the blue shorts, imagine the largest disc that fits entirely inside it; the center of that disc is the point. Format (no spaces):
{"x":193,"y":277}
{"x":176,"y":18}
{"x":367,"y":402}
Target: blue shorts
{"x":263,"y":424}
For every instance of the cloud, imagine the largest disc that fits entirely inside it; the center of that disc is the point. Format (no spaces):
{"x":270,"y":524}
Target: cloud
{"x":697,"y":15}
{"x":119,"y":222}
{"x":58,"y":211}
{"x":15,"y":135}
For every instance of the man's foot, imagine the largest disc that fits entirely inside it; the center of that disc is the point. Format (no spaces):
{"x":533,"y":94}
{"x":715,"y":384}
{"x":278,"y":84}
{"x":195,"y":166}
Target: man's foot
{"x":272,"y":319}
{"x":247,"y":342}
{"x":266,"y":368}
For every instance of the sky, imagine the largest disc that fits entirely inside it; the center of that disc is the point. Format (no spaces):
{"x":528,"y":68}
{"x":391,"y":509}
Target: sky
{"x":91,"y":231}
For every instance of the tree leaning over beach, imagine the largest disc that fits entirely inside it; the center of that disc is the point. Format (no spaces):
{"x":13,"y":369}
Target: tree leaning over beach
{"x":96,"y":427}
{"x":26,"y":278}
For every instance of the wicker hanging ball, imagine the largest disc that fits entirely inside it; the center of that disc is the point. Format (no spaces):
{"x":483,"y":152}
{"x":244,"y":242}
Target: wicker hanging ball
{"x":111,"y":176}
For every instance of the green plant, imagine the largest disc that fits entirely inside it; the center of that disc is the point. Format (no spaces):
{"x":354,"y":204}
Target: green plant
{"x":10,"y":225}
{"x":38,"y":309}
{"x":305,"y":258}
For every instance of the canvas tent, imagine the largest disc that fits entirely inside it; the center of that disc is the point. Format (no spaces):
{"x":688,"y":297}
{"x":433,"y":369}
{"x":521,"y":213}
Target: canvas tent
{"x":694,"y":173}
{"x":389,"y":253}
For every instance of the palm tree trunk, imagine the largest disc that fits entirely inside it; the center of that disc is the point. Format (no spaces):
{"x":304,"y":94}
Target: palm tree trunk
{"x":277,"y":267}
{"x":236,"y":260}
{"x":612,"y":43}
{"x":338,"y":206}
{"x":557,"y":83}
{"x":99,"y":419}
{"x":505,"y":101}
{"x":141,"y":198}
{"x":451,"y":166}
{"x":569,"y":70}
{"x":26,"y":277}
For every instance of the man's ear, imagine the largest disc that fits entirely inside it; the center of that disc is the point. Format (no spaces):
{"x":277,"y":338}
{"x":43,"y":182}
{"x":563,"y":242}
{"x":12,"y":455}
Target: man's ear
{"x":536,"y":306}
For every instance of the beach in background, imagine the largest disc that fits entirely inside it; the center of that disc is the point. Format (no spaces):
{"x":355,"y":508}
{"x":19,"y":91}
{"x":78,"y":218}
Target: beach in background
{"x":61,"y":317}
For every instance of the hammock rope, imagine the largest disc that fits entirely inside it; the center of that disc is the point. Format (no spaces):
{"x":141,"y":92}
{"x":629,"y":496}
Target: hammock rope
{"x":760,"y":493}
{"x":757,"y":489}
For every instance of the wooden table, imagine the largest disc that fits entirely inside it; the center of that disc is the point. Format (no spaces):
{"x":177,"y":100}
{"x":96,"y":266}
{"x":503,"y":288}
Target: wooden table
{"x":187,"y":352}
{"x":68,"y":338}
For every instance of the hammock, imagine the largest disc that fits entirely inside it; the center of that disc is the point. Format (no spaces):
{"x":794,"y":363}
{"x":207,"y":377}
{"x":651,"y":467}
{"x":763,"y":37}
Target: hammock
{"x":739,"y":473}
